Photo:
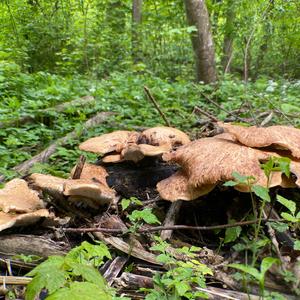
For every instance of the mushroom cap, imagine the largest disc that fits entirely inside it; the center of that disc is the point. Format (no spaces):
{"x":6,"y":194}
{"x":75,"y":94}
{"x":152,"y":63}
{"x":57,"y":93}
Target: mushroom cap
{"x":112,"y":158}
{"x":279,"y":137}
{"x":8,"y":220}
{"x":177,"y":187}
{"x":109,"y":142}
{"x":99,"y":193}
{"x":93,"y":172}
{"x":47,"y":183}
{"x":210,"y":160}
{"x":160,"y":135}
{"x":16,"y":196}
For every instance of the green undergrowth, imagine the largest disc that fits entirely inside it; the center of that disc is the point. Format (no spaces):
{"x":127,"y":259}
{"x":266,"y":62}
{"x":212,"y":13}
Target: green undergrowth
{"x":122,"y":93}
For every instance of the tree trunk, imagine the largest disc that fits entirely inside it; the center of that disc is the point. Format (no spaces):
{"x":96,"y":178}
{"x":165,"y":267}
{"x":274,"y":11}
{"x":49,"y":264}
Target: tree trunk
{"x":136,"y":22}
{"x":202,"y":40}
{"x":228,"y":36}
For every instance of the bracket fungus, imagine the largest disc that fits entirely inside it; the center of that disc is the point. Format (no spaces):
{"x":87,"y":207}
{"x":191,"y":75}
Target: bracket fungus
{"x":133,"y":146}
{"x":16,"y":196}
{"x":278,"y":137}
{"x":208,"y":161}
{"x":91,"y":188}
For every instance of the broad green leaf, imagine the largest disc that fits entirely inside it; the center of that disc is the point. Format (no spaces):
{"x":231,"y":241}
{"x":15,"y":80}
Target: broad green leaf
{"x":297,"y":245}
{"x":80,"y":291}
{"x":279,"y":226}
{"x":146,"y":215}
{"x":289,"y":217}
{"x":289,"y":204}
{"x":261,"y":192}
{"x":182,"y":287}
{"x":266,"y":264}
{"x":231,"y":234}
{"x":247,"y":269}
{"x":53,"y":262}
{"x":125,"y":204}
{"x":230,"y":183}
{"x":240,"y":178}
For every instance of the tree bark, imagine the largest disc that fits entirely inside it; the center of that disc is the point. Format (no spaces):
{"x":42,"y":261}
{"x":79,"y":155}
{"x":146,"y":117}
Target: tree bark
{"x":136,"y":23}
{"x":228,"y":36}
{"x":202,"y":40}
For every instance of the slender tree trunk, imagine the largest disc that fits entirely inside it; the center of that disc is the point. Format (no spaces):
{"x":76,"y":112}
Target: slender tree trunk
{"x":228,"y":36}
{"x":136,"y":23}
{"x":202,"y":40}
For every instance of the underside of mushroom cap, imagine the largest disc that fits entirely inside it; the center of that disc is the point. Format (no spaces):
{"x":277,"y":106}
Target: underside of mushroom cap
{"x":16,"y":196}
{"x":177,"y":187}
{"x":161,"y":135}
{"x":277,"y":137}
{"x":109,"y":142}
{"x":8,"y":220}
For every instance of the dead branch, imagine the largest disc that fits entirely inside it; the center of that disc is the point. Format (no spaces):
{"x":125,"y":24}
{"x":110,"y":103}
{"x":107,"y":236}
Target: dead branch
{"x":154,"y":102}
{"x":198,"y":110}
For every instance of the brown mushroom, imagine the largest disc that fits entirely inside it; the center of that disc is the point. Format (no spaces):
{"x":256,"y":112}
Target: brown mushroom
{"x":177,"y":187}
{"x":109,"y":142}
{"x":161,"y":135}
{"x":278,"y":137}
{"x":8,"y":220}
{"x":16,"y":196}
{"x":92,"y":172}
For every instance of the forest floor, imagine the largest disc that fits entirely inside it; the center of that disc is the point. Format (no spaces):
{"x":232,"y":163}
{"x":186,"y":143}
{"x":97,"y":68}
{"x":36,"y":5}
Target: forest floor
{"x":43,"y":119}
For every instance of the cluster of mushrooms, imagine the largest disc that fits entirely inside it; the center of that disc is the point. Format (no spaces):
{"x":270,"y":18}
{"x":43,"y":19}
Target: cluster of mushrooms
{"x":203,"y":164}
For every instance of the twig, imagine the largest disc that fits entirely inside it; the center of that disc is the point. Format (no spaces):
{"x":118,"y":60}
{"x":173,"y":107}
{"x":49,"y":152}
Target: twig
{"x":154,"y":102}
{"x":159,"y":228}
{"x":198,"y":110}
{"x":79,"y":167}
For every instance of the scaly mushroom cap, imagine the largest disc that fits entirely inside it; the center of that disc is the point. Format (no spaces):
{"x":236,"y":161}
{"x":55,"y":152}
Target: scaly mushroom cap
{"x":158,"y":136}
{"x":112,"y":158}
{"x":47,"y":183}
{"x":99,"y":193}
{"x":177,"y":187}
{"x":8,"y":220}
{"x":109,"y":142}
{"x":210,"y":160}
{"x":16,"y":196}
{"x":279,"y":137}
{"x":92,"y":172}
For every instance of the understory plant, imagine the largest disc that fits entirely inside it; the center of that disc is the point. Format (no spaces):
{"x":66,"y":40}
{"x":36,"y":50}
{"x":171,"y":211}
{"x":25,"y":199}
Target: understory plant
{"x":73,"y":276}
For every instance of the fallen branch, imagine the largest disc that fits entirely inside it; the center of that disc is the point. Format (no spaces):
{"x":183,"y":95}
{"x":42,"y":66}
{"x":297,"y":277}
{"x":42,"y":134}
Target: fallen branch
{"x":174,"y":227}
{"x":37,"y":113}
{"x":198,"y":110}
{"x":45,"y":154}
{"x":151,"y":98}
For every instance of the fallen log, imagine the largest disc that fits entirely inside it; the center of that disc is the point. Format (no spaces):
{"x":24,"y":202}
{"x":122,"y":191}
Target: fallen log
{"x":45,"y":154}
{"x":40,"y":112}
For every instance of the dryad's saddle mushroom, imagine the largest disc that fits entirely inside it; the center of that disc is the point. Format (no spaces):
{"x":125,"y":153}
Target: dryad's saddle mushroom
{"x":133,"y":146}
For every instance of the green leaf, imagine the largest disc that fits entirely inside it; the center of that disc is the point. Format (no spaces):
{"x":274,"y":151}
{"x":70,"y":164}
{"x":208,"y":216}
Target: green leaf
{"x":247,"y":269}
{"x":279,"y":226}
{"x":231,"y":234}
{"x":146,"y":215}
{"x":240,"y":178}
{"x":125,"y":204}
{"x":182,"y":287}
{"x":80,"y":291}
{"x":289,"y":217}
{"x":289,"y":204}
{"x":266,"y":264}
{"x":261,"y":192}
{"x":297,"y":245}
{"x":51,"y":278}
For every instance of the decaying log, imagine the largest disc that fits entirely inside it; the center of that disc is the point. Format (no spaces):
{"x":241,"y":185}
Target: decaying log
{"x":133,"y":281}
{"x":170,"y":219}
{"x":38,"y":113}
{"x":45,"y":154}
{"x":114,"y":269}
{"x":14,"y":244}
